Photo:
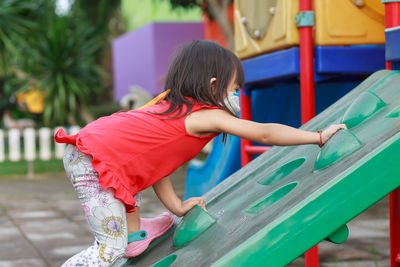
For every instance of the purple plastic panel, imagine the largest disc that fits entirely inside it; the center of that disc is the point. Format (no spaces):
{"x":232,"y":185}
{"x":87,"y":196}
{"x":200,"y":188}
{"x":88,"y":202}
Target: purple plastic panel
{"x":142,"y":57}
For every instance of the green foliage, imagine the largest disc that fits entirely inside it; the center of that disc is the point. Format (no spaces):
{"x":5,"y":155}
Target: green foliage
{"x":17,"y":20}
{"x":63,"y":64}
{"x":58,"y":54}
{"x":186,"y":3}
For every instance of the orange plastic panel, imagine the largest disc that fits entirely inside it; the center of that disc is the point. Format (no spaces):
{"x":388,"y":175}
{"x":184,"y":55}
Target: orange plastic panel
{"x":349,"y":22}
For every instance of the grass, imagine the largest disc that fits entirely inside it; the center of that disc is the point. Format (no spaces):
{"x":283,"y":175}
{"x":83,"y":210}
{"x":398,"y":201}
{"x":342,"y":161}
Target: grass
{"x":40,"y":166}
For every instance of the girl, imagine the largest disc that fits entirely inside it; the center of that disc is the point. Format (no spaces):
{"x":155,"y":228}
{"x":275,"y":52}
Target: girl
{"x":114,"y":158}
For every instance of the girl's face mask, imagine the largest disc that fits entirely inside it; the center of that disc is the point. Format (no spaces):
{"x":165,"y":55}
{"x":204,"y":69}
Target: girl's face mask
{"x":232,"y":102}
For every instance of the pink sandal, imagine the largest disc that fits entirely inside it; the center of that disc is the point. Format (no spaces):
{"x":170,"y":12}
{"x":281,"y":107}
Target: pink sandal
{"x":150,"y":229}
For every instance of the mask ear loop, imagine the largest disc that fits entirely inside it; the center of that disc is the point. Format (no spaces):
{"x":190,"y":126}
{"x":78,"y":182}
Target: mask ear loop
{"x":157,"y":99}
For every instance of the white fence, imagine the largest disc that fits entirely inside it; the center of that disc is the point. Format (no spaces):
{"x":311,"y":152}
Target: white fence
{"x":30,"y":144}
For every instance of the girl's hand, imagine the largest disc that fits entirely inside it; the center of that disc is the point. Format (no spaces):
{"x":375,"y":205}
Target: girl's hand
{"x":189,"y":204}
{"x":330,"y":131}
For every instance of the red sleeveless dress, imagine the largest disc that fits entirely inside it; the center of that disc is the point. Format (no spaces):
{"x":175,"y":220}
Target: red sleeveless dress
{"x":133,"y":150}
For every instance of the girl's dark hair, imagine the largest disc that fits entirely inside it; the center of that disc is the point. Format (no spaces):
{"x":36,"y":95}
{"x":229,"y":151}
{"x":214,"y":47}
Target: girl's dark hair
{"x":190,"y":73}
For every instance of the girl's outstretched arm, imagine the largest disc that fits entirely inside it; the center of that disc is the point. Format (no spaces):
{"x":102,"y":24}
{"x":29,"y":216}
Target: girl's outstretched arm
{"x":209,"y":121}
{"x":165,"y":192}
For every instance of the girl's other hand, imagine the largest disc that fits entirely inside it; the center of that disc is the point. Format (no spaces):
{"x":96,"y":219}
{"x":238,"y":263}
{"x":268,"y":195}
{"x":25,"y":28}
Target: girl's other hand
{"x":189,"y":204}
{"x":330,"y":131}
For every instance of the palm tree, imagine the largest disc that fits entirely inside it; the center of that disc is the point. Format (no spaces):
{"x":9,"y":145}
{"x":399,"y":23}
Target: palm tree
{"x":61,"y":58}
{"x":17,"y":20}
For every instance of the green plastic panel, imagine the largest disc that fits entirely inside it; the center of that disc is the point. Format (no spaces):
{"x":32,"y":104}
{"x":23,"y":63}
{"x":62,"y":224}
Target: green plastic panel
{"x":366,"y":105}
{"x":194,"y":223}
{"x":394,"y":113}
{"x":166,"y":262}
{"x":281,"y":172}
{"x":339,"y":236}
{"x":289,"y":199}
{"x":270,"y":199}
{"x":338,"y":147}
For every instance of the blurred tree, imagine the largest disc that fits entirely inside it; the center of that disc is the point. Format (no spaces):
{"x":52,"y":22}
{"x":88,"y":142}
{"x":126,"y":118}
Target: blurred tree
{"x":215,"y":10}
{"x":105,"y":15}
{"x":99,"y":12}
{"x":17,"y":20}
{"x":57,"y":53}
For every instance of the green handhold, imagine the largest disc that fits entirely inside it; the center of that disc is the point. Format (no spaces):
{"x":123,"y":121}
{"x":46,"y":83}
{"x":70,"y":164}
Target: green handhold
{"x":166,"y":262}
{"x":367,"y":104}
{"x":270,"y":199}
{"x":340,"y":145}
{"x":196,"y":221}
{"x":281,"y":172}
{"x":394,"y":113}
{"x":340,"y":235}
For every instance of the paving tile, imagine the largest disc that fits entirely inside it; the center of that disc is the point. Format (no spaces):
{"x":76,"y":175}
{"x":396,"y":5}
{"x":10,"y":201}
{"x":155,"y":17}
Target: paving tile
{"x":23,"y":262}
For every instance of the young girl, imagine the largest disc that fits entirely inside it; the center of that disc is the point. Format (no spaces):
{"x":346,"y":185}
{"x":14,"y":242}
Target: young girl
{"x":111,"y":160}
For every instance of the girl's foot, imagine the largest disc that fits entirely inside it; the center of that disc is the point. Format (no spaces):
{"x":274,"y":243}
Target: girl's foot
{"x":150,"y":229}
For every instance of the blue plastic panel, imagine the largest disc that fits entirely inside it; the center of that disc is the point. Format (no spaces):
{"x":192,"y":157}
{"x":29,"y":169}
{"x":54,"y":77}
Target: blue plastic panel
{"x":360,"y":59}
{"x":272,"y":66}
{"x":392,"y":36}
{"x":396,"y":65}
{"x":330,"y":61}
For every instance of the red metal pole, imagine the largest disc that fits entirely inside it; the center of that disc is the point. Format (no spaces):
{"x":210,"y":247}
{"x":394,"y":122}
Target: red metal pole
{"x":307,"y":95}
{"x":392,"y":19}
{"x":392,"y":14}
{"x":394,"y":219}
{"x":245,"y":113}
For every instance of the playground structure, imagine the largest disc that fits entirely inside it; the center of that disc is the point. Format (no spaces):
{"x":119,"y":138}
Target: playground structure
{"x":262,"y":30}
{"x":307,"y":74}
{"x":330,"y":61}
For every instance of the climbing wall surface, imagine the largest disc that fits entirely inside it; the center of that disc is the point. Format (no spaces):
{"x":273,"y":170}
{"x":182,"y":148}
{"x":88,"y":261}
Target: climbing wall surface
{"x":291,"y":198}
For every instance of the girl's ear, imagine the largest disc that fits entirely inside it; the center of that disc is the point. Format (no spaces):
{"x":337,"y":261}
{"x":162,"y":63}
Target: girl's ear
{"x":213,"y":81}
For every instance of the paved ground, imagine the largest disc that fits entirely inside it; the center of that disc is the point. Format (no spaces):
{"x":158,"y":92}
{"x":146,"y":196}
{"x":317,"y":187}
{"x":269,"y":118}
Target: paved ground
{"x":42,"y":224}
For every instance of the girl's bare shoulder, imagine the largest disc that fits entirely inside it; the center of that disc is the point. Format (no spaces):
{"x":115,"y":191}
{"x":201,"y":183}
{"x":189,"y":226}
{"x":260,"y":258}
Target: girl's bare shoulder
{"x":210,"y":114}
{"x":205,"y":120}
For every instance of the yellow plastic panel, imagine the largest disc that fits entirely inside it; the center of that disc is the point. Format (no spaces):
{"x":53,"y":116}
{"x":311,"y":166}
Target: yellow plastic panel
{"x":264,"y":25}
{"x":348,"y":22}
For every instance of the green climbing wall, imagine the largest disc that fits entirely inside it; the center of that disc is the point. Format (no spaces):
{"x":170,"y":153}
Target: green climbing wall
{"x":291,"y":198}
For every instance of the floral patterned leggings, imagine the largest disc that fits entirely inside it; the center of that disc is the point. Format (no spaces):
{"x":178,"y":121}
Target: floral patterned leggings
{"x":104,"y":213}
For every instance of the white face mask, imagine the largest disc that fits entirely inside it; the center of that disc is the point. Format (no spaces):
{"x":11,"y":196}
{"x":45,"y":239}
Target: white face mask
{"x":232,"y":102}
